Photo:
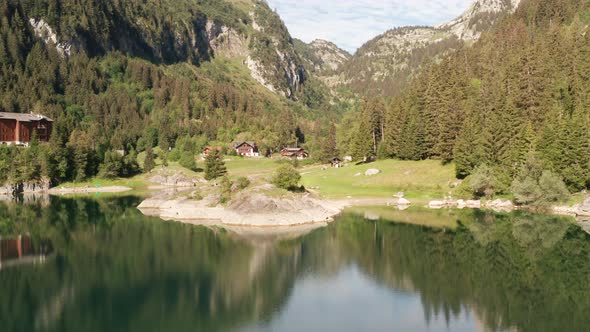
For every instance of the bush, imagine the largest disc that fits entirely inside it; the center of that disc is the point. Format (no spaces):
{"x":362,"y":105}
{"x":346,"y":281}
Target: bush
{"x":548,"y":188}
{"x":286,"y":177}
{"x":243,"y":182}
{"x":225,"y":194}
{"x":483,"y":181}
{"x":112,"y":166}
{"x":536,"y":186}
{"x":553,"y":187}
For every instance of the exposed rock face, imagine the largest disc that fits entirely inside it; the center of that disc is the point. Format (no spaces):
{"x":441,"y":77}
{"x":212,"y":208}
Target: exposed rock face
{"x":384,"y":65}
{"x":266,"y":48}
{"x":225,"y":41}
{"x":321,"y":56}
{"x":478,"y":18}
{"x":45,"y":32}
{"x":251,"y":208}
{"x":273,"y":60}
{"x":584,"y":209}
{"x":372,"y":172}
{"x":40,"y":186}
{"x":173,"y":179}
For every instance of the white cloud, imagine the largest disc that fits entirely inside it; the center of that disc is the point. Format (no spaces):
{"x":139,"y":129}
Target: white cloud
{"x":351,"y":23}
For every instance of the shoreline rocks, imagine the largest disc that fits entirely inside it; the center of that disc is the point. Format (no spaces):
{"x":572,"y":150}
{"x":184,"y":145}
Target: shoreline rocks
{"x":251,"y":208}
{"x":583,"y":210}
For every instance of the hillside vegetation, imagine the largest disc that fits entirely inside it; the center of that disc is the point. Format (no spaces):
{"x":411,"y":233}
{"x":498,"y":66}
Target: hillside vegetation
{"x":516,"y":102}
{"x":136,"y":75}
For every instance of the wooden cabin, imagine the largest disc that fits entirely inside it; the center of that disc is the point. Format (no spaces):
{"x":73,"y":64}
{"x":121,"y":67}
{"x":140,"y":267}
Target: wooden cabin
{"x":336,"y":162}
{"x":18,"y":128}
{"x":298,"y":153}
{"x":247,"y":149}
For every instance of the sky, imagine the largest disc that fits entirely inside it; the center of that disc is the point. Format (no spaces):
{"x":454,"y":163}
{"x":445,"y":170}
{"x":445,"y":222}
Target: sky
{"x":351,"y":23}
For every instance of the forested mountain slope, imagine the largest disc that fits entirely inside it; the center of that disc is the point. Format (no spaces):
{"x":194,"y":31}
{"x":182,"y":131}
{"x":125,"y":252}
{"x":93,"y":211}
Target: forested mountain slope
{"x":517,"y":102}
{"x":383,"y":66}
{"x":134,"y":75}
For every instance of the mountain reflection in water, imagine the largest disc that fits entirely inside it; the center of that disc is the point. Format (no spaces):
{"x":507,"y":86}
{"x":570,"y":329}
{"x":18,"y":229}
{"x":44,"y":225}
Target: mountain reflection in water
{"x":113,"y":269}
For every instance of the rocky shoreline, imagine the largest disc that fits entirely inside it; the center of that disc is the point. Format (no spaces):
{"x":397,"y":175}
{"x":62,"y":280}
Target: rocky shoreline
{"x":252,"y":208}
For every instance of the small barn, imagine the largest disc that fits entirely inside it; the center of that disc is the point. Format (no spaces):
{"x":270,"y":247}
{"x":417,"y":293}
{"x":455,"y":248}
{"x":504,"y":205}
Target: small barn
{"x":19,"y":128}
{"x":247,"y":149}
{"x":298,"y":153}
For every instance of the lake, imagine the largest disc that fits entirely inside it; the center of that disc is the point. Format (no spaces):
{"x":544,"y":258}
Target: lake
{"x":98,"y":264}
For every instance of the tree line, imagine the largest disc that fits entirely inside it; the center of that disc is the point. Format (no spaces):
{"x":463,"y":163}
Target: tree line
{"x":519,"y":94}
{"x":121,"y":100}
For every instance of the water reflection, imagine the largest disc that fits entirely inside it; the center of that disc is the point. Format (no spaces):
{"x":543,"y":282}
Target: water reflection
{"x":114,"y":269}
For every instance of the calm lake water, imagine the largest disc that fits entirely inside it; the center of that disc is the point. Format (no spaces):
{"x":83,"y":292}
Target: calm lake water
{"x":100,"y":265}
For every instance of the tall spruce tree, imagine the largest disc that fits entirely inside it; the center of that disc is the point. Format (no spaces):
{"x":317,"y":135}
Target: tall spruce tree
{"x":214,"y":165}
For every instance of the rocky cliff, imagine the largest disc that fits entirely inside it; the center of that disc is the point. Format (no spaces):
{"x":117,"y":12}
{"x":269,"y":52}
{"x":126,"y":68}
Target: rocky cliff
{"x":321,"y":56}
{"x":181,"y":31}
{"x":384,"y":65}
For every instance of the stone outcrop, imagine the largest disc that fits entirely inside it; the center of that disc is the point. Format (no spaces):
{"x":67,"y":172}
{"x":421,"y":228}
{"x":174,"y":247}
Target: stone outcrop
{"x":27,"y":187}
{"x":384,"y":64}
{"x":171,"y":178}
{"x":254,"y":207}
{"x":584,"y":209}
{"x":44,"y":31}
{"x":372,"y":172}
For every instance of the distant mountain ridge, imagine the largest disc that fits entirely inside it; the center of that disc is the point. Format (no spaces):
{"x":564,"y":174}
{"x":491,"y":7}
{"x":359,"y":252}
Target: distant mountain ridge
{"x":384,"y":65}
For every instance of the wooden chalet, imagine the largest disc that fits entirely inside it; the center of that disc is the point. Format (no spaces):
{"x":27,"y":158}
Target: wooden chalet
{"x":336,"y":162}
{"x":247,"y":149}
{"x":18,"y":128}
{"x":298,"y":153}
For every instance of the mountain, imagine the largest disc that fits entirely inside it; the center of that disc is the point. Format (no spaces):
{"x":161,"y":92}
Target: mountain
{"x":511,"y":112}
{"x":384,"y":65}
{"x":174,"y":31}
{"x":321,"y":56}
{"x":149,"y":78}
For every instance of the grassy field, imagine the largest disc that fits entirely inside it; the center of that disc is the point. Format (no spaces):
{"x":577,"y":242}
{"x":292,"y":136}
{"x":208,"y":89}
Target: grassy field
{"x":263,"y":167}
{"x":419,"y":180}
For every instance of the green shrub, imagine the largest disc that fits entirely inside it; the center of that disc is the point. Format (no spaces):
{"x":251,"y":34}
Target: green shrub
{"x":243,"y":182}
{"x":548,"y":188}
{"x":483,"y":181}
{"x":535,"y":186}
{"x":286,"y":177}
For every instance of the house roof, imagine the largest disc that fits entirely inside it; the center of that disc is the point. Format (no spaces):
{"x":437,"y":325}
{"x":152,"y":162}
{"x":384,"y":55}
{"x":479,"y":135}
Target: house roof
{"x":24,"y":117}
{"x":293,"y":149}
{"x":252,"y":144}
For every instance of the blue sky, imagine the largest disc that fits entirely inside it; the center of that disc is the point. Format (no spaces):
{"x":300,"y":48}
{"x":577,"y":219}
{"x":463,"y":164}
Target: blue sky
{"x":351,"y":23}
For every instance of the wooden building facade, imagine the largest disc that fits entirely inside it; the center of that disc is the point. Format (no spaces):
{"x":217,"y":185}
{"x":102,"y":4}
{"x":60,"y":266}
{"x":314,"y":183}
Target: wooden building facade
{"x":247,"y":149}
{"x":18,"y":128}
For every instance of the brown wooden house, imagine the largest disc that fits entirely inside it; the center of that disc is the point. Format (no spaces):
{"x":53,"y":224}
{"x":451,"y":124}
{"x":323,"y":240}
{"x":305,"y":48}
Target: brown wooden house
{"x":209,"y":149}
{"x":247,"y":149}
{"x":298,"y":153}
{"x":18,"y":128}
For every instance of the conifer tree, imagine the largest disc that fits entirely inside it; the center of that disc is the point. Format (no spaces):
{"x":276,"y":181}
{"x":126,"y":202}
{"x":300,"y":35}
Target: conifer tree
{"x":149,"y":163}
{"x":214,"y":166}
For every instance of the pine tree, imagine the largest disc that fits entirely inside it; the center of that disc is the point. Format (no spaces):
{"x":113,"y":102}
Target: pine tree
{"x":214,"y":166}
{"x":149,"y":163}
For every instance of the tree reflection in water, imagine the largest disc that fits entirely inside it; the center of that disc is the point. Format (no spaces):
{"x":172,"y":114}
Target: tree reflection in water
{"x":113,"y":269}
